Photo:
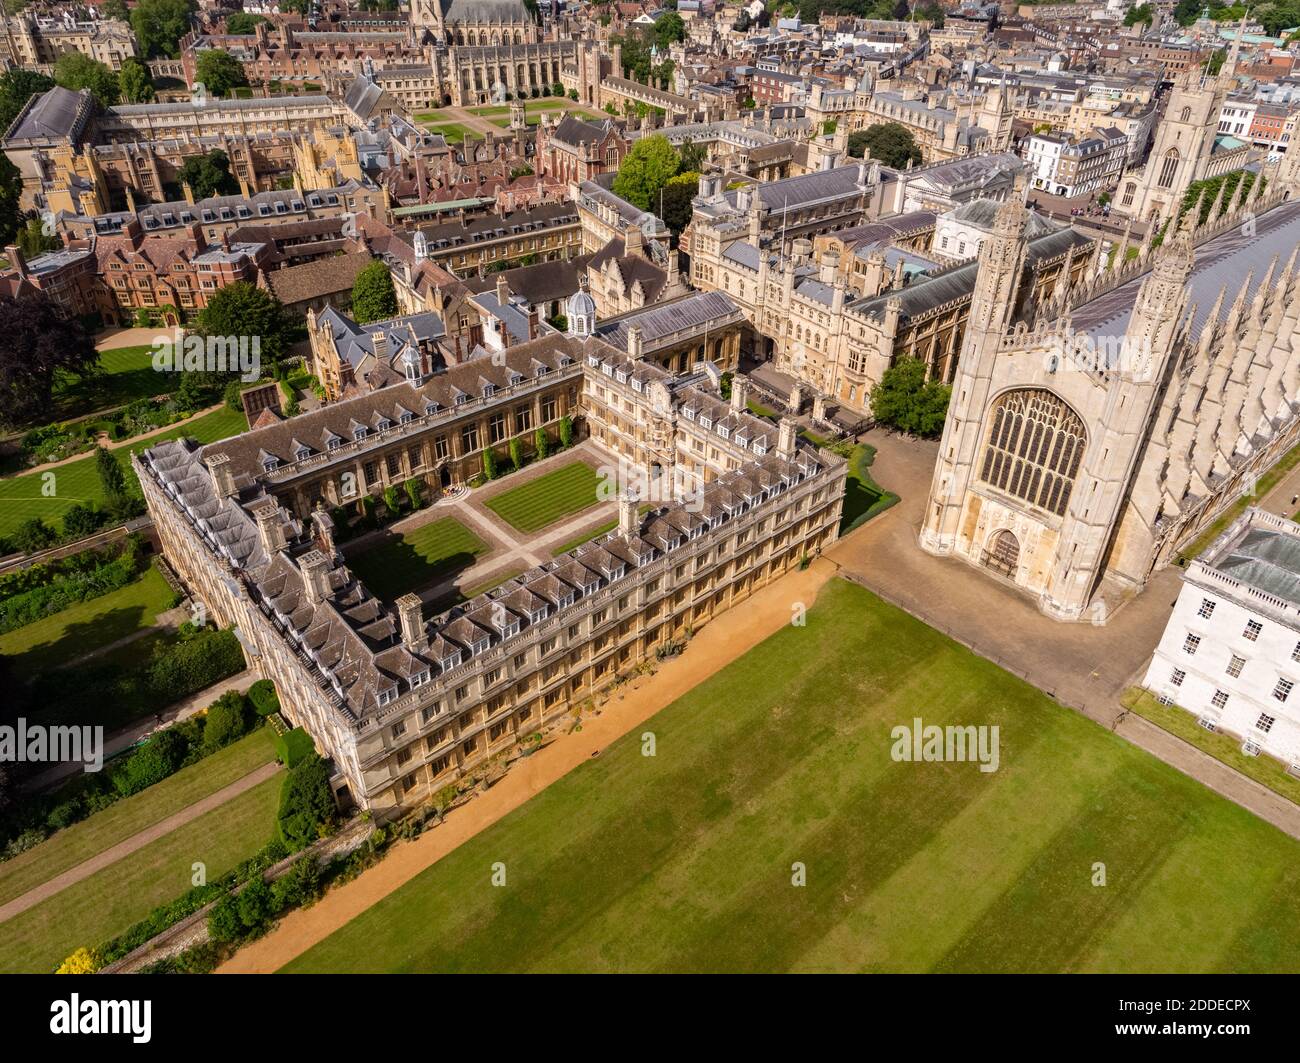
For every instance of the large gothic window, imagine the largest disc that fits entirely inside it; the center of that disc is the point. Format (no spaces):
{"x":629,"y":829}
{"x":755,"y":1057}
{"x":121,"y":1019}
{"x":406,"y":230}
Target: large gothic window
{"x":1034,"y":448}
{"x":1168,"y":168}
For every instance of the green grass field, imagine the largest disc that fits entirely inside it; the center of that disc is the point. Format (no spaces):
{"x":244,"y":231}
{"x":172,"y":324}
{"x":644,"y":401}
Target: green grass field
{"x":119,"y":821}
{"x":540,"y":502}
{"x":22,"y":497}
{"x":111,"y":900}
{"x":684,"y":861}
{"x":455,"y":132}
{"x":863,"y":497}
{"x":417,"y":558}
{"x":126,"y":374}
{"x":80,"y":629}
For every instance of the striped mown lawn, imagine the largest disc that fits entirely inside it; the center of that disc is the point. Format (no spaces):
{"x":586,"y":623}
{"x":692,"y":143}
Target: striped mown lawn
{"x":532,"y":506}
{"x":119,"y":821}
{"x":125,"y":374}
{"x":417,"y":558}
{"x":23,"y":497}
{"x":109,"y":901}
{"x":784,"y":763}
{"x":84,"y":627}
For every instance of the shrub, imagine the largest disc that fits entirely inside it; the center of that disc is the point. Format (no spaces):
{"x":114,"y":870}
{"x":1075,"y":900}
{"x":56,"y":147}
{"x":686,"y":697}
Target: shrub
{"x":193,"y":664}
{"x":566,"y":431}
{"x":306,"y":802}
{"x":414,"y":492}
{"x":293,"y":747}
{"x":542,"y":442}
{"x":264,"y":699}
{"x":82,"y":520}
{"x":489,"y":464}
{"x":226,"y":720}
{"x":48,"y":588}
{"x":254,"y":903}
{"x":152,"y":762}
{"x":83,"y":961}
{"x":391,"y":501}
{"x":516,"y":454}
{"x":224,"y":923}
{"x":32,"y":535}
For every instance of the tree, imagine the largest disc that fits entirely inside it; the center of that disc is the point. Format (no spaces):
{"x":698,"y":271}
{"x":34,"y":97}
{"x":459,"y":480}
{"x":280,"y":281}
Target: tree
{"x":693,"y":156}
{"x":219,"y":71}
{"x":77,"y":71}
{"x":489,"y":464}
{"x":243,"y":309}
{"x":134,"y":83}
{"x":669,"y":29}
{"x":209,"y":175}
{"x":887,"y":142}
{"x":541,"y":443}
{"x":647,"y":168}
{"x":17,"y":86}
{"x":112,"y":480}
{"x":373,"y":295}
{"x":159,"y":26}
{"x":306,"y":802}
{"x":115,"y":9}
{"x":414,"y":493}
{"x":243,"y":23}
{"x":11,"y":190}
{"x":566,"y":431}
{"x":226,"y":720}
{"x":677,"y":200}
{"x":905,"y":400}
{"x":1140,"y":13}
{"x":33,"y":240}
{"x":32,"y":535}
{"x":516,"y":454}
{"x":37,"y":340}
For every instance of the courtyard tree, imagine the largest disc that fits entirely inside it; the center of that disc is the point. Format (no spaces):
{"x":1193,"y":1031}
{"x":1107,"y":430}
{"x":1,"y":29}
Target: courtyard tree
{"x":112,"y":480}
{"x":243,"y":310}
{"x":17,"y":86}
{"x":373,"y":295}
{"x":566,"y":431}
{"x":134,"y":83}
{"x":37,"y":341}
{"x":541,"y":443}
{"x":886,"y":142}
{"x":648,"y":167}
{"x":209,"y":175}
{"x":159,"y":26}
{"x":77,"y":71}
{"x":243,"y":23}
{"x":905,"y":400}
{"x":219,"y":71}
{"x":676,"y":199}
{"x":516,"y":453}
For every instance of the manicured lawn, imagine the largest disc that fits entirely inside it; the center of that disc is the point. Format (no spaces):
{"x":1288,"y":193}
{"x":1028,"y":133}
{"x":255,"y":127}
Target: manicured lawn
{"x":759,"y":410}
{"x":119,"y":821}
{"x":545,"y":500}
{"x":684,"y":861}
{"x":80,"y":629}
{"x":454,"y":132}
{"x":111,"y":900}
{"x":863,"y":497}
{"x":126,"y":374}
{"x":417,"y":558}
{"x":21,"y":497}
{"x":586,"y":537}
{"x":1265,"y":770}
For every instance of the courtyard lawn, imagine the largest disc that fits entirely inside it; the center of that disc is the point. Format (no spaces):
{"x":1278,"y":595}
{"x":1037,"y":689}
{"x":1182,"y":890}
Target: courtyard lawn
{"x":782,"y":763}
{"x":863,"y":497}
{"x":416,"y":558}
{"x":125,"y":374}
{"x":540,"y":502}
{"x":454,"y":132}
{"x":63,"y":637}
{"x":21,"y":497}
{"x":587,"y":536}
{"x":127,"y":817}
{"x":109,"y":901}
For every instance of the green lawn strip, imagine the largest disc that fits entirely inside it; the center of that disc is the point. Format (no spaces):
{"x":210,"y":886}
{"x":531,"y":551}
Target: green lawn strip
{"x":683,"y":861}
{"x":418,"y":557}
{"x":758,"y":409}
{"x":547,"y":498}
{"x":455,"y":132}
{"x":80,"y":629}
{"x":103,"y":830}
{"x":109,"y":901}
{"x":1263,"y":486}
{"x":125,"y":374}
{"x":21,"y":497}
{"x":587,"y":536}
{"x":1265,"y":770}
{"x":863,"y":497}
{"x":458,"y":596}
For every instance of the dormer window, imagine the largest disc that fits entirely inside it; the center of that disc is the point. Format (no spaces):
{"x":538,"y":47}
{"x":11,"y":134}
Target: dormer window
{"x":450,"y":661}
{"x":386,"y":695}
{"x":539,"y":372}
{"x":301,"y":454}
{"x":592,"y":360}
{"x":461,"y":398}
{"x":760,"y":448}
{"x":271,"y":464}
{"x":536,"y":616}
{"x":488,"y":390}
{"x":689,"y":411}
{"x":566,"y":600}
{"x":617,"y":572}
{"x":359,"y":433}
{"x":724,"y":431}
{"x":420,"y":678}
{"x":606,"y":368}
{"x":480,"y":645}
{"x":406,"y":418}
{"x":334,"y":443}
{"x":384,"y":425}
{"x":636,"y":384}
{"x":510,"y":629}
{"x":621,"y":376}
{"x":431,"y":408}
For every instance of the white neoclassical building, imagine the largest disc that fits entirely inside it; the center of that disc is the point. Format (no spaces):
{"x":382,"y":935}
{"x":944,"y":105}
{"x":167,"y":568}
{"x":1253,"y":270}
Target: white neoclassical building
{"x":1230,"y":653}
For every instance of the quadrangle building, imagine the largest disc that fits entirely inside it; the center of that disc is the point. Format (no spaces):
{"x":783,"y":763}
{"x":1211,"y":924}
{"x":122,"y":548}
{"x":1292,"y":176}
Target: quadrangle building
{"x":405,"y":703}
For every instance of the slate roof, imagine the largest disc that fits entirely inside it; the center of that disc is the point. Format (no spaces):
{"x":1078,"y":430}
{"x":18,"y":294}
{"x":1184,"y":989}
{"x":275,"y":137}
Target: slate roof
{"x":54,"y":115}
{"x":690,"y":313}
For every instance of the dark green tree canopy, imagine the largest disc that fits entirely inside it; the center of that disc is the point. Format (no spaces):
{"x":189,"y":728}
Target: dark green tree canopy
{"x":219,"y":71}
{"x":76,"y":71}
{"x":373,"y":295}
{"x":886,"y":142}
{"x":209,"y":175}
{"x":159,"y":26}
{"x":37,"y":340}
{"x":905,"y":400}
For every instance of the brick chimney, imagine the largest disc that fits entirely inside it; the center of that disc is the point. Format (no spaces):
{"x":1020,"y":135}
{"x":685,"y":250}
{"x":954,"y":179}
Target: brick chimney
{"x":269,"y":528}
{"x":315,"y":569}
{"x":503,"y":290}
{"x":410,"y":616}
{"x":223,"y":477}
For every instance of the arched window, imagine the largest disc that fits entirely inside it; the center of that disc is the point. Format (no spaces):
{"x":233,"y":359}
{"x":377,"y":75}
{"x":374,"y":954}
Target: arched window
{"x":1034,"y":448}
{"x":1168,"y":168}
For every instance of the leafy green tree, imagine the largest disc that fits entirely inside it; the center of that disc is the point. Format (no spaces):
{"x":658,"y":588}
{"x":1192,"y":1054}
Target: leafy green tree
{"x":134,"y":83}
{"x":37,"y":340}
{"x":1141,"y":13}
{"x":489,"y":464}
{"x":33,"y":240}
{"x":566,"y":431}
{"x":17,"y":86}
{"x":887,"y":142}
{"x":242,"y":23}
{"x":647,"y":168}
{"x":253,"y":903}
{"x":159,"y":26}
{"x":373,"y":295}
{"x":209,"y":175}
{"x":32,"y":535}
{"x":541,"y":443}
{"x":226,"y":720}
{"x":677,"y":198}
{"x":669,"y":29}
{"x":77,"y":71}
{"x":224,"y":924}
{"x":219,"y":71}
{"x":11,"y":190}
{"x":693,"y":157}
{"x":905,"y":400}
{"x":112,"y":480}
{"x":306,"y":802}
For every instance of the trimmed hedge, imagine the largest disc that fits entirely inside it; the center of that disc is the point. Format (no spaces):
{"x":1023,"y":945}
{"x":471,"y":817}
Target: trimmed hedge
{"x":307,"y":805}
{"x":42,"y":590}
{"x":266,"y":701}
{"x":293,"y":747}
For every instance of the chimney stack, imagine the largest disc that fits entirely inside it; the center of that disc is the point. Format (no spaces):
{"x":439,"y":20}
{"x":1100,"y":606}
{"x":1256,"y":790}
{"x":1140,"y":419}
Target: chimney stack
{"x":634,"y":350}
{"x":739,"y":393}
{"x":323,"y":524}
{"x":633,"y":244}
{"x":410,"y":615}
{"x":269,"y":527}
{"x":629,"y":520}
{"x":503,"y":291}
{"x":223,"y":477}
{"x":17,"y":259}
{"x":315,"y":569}
{"x":379,"y":341}
{"x":786,"y":438}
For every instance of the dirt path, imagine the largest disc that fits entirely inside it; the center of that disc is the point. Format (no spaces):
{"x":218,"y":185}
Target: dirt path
{"x":138,"y":841}
{"x":715,"y":646}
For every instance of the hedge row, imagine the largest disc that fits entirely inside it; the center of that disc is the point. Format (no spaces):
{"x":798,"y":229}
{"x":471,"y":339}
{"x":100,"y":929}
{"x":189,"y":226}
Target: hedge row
{"x":60,"y":585}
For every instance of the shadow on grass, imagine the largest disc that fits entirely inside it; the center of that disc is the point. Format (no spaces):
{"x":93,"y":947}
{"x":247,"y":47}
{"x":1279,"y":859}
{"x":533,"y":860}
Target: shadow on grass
{"x":392,"y":567}
{"x":78,"y":639}
{"x":863,"y":497}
